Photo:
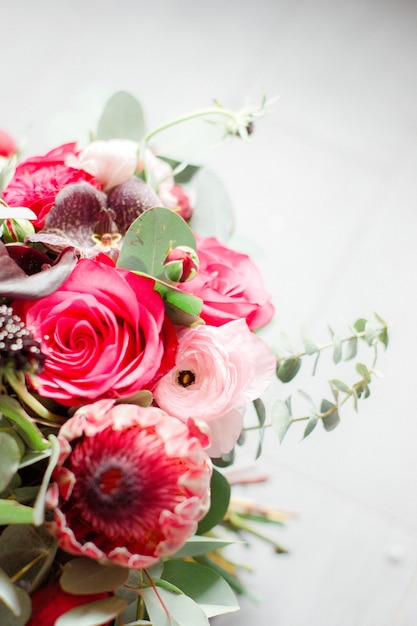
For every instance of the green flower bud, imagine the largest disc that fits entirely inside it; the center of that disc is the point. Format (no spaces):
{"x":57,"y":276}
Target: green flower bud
{"x":16,"y":230}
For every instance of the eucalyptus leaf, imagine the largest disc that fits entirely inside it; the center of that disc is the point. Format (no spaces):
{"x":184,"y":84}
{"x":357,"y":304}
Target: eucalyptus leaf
{"x":150,"y":238}
{"x":383,"y":337}
{"x":288,"y":369}
{"x":220,"y":499}
{"x":337,"y":349}
{"x":9,"y":459}
{"x":351,"y":349}
{"x":281,"y":418}
{"x":166,"y":608}
{"x":8,"y":593}
{"x":307,"y":398}
{"x":15,"y":604}
{"x":371,"y":333}
{"x":27,"y":553}
{"x":286,"y":342}
{"x":122,"y":118}
{"x":380,"y":319}
{"x":359,"y":325}
{"x":332,"y":420}
{"x":261,"y":415}
{"x":93,"y":614}
{"x":311,"y":424}
{"x":364,"y":372}
{"x":340,"y":385}
{"x":203,"y":585}
{"x":309,"y":344}
{"x":213,"y":213}
{"x":83,"y":576}
{"x":196,"y":545}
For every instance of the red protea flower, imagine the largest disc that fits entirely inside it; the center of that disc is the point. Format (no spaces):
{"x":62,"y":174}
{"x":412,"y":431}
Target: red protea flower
{"x":130,"y":486}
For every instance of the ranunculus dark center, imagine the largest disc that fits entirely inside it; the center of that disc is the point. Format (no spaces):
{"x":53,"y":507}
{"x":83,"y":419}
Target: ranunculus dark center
{"x":185,"y":378}
{"x":111,"y":480}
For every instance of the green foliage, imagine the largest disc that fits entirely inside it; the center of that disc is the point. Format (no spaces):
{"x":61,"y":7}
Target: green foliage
{"x":213,"y":209}
{"x":288,"y":369}
{"x":83,"y":576}
{"x":145,"y":248}
{"x":93,"y":614}
{"x":220,"y":499}
{"x":167,"y":608}
{"x":122,"y":118}
{"x":15,"y":606}
{"x":364,"y":332}
{"x":203,"y":585}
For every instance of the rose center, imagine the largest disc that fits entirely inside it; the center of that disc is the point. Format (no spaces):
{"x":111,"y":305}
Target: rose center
{"x":185,"y":378}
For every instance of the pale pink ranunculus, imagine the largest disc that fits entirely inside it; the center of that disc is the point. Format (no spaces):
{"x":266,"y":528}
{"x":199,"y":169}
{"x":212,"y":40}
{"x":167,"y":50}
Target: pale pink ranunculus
{"x":130,"y":485}
{"x":111,"y":161}
{"x":218,"y":370}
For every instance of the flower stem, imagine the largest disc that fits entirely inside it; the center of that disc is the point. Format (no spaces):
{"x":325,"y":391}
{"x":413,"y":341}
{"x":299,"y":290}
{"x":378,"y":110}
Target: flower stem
{"x":19,"y":387}
{"x":202,"y":113}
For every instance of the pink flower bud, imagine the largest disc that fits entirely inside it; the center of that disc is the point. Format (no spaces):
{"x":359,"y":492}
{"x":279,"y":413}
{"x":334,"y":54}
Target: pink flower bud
{"x":181,"y":264}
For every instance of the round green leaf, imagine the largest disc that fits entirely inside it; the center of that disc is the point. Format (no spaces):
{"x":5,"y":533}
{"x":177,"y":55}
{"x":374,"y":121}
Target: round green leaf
{"x":122,"y":118}
{"x":220,"y":498}
{"x":281,"y":418}
{"x":166,"y":608}
{"x":150,"y":238}
{"x":15,"y":605}
{"x":94,"y":613}
{"x":203,"y":585}
{"x":287,"y":370}
{"x":83,"y":576}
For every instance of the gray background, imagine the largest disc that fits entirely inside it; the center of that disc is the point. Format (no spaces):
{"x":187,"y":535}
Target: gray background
{"x":325,"y":195}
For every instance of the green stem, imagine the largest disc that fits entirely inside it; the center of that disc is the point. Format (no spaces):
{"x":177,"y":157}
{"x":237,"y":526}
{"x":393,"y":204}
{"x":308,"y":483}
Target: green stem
{"x":189,"y":116}
{"x":237,"y":522}
{"x":325,"y":346}
{"x":19,"y":387}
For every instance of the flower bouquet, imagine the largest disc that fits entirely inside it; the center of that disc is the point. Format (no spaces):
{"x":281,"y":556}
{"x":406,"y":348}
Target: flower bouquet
{"x":130,"y":358}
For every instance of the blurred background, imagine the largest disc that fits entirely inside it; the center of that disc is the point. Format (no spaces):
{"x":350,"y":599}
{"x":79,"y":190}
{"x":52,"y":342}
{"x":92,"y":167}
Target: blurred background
{"x":326,"y":196}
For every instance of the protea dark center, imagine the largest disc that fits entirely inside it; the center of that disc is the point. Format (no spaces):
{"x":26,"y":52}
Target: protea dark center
{"x":18,"y":349}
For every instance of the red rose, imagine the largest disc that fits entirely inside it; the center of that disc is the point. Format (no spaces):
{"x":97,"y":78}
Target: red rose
{"x":37,"y":181}
{"x":230,"y":286}
{"x":7,"y":144}
{"x":50,"y":602}
{"x":105,"y":333}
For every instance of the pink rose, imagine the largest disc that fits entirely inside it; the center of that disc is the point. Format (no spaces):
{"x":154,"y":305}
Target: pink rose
{"x":105,"y":333}
{"x":37,"y":181}
{"x":218,"y":370}
{"x":230,"y":286}
{"x":111,"y":162}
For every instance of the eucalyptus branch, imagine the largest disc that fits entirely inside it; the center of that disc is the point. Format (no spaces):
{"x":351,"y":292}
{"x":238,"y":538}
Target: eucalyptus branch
{"x":288,"y":367}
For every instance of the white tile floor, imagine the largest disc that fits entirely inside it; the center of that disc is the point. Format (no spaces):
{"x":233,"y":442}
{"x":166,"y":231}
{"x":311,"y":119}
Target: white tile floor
{"x":326,"y":198}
